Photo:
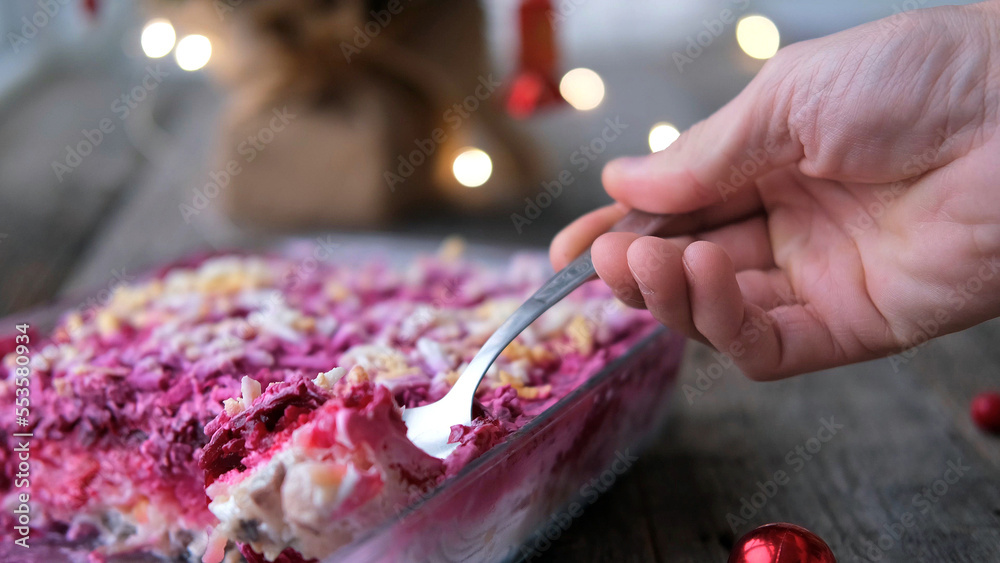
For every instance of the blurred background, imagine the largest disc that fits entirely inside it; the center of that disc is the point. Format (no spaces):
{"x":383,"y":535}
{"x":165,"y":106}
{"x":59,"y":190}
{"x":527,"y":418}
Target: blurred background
{"x":136,"y":132}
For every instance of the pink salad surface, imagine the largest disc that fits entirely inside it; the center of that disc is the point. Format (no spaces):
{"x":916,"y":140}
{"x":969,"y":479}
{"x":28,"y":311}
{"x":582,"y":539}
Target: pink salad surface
{"x":251,"y":404}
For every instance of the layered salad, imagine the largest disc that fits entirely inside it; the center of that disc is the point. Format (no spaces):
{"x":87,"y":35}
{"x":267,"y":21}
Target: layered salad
{"x":243,"y":407}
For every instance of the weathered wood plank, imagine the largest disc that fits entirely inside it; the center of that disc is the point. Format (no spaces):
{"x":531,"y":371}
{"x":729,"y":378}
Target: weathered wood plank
{"x":901,"y":434}
{"x":45,"y":220}
{"x":49,"y":222}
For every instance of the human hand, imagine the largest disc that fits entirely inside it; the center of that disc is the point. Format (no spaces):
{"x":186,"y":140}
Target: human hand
{"x":845,"y":206}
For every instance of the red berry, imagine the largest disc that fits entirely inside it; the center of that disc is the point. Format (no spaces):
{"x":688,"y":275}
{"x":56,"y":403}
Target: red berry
{"x":986,"y":411}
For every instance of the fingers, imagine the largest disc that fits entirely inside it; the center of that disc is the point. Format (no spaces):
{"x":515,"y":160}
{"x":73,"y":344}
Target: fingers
{"x":747,"y":241}
{"x":766,"y":288}
{"x":577,"y":236}
{"x":696,"y":291}
{"x":610,"y":260}
{"x":716,"y":159}
{"x":648,"y":271}
{"x":657,"y":268}
{"x":739,"y":329}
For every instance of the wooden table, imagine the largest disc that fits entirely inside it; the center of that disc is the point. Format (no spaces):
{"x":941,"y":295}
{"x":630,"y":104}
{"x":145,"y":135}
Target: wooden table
{"x":864,"y":450}
{"x":902,"y":433}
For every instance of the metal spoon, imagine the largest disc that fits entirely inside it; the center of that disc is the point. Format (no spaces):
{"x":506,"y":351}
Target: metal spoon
{"x":430,"y":425}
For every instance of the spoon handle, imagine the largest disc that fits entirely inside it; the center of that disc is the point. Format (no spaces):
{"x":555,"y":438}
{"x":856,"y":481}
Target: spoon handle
{"x":558,"y":286}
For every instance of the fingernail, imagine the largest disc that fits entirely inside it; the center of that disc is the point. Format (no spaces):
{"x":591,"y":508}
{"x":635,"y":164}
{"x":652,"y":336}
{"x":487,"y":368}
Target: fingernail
{"x":643,"y":288}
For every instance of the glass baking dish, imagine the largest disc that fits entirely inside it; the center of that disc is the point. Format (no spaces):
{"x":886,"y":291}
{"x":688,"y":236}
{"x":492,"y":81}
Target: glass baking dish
{"x":509,"y":503}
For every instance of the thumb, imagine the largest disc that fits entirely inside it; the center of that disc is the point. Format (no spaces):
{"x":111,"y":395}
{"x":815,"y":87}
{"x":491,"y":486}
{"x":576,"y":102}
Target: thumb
{"x":716,"y":158}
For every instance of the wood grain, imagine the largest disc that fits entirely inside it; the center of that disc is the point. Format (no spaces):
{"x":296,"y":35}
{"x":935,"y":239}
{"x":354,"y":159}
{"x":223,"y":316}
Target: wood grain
{"x":900,"y":432}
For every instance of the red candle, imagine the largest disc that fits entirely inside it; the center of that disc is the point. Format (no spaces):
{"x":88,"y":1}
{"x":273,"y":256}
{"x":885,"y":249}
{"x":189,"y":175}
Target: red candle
{"x":534,"y":84}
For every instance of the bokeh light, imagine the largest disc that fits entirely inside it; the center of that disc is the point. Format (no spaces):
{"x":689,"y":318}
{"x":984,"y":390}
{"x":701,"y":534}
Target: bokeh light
{"x":157,"y":38}
{"x":193,"y":52}
{"x":582,"y":88}
{"x":758,"y":37}
{"x":472,"y":167}
{"x":662,"y":135}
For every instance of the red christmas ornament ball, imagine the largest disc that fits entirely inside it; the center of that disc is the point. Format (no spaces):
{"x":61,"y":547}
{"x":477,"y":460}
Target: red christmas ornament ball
{"x":986,"y":411}
{"x":781,"y":543}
